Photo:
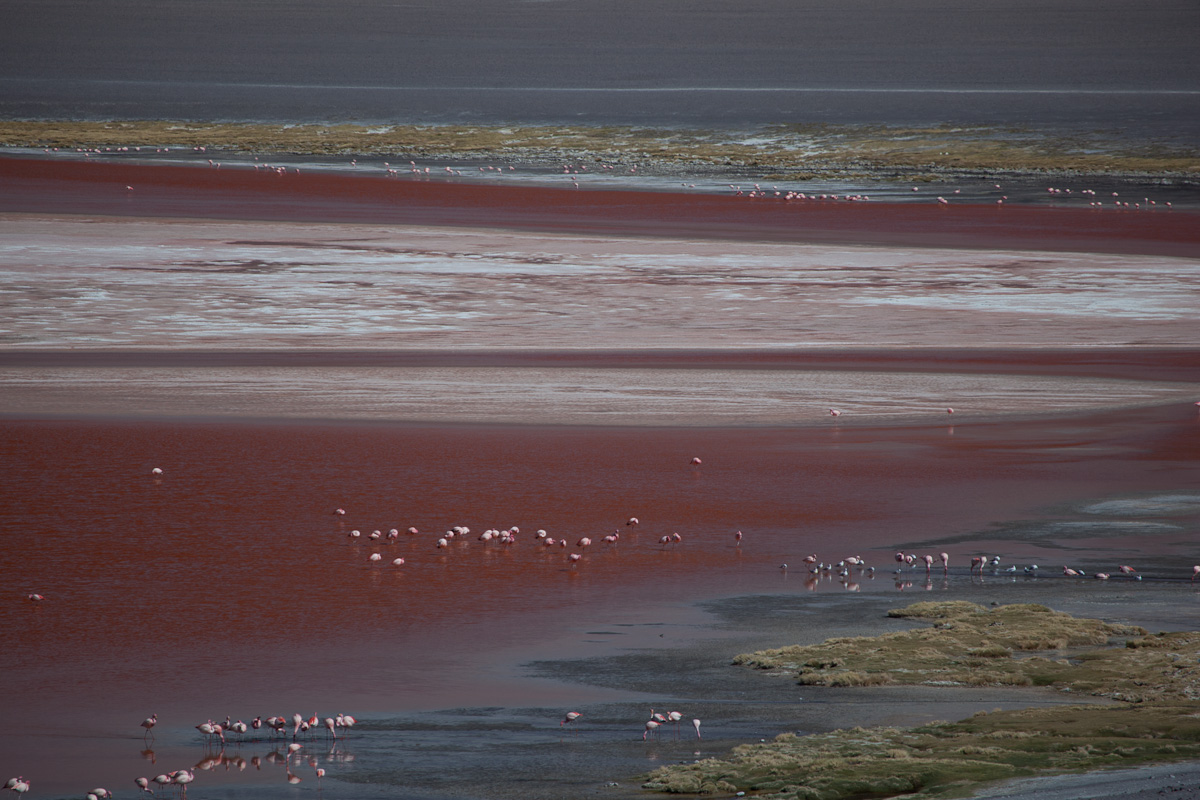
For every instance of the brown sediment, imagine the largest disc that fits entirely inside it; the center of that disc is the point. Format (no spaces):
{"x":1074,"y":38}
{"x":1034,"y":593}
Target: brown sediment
{"x":1151,"y":364}
{"x":72,"y":187}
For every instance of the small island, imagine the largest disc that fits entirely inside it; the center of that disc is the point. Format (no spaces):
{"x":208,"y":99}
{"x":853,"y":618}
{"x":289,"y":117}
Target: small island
{"x":1145,"y":707}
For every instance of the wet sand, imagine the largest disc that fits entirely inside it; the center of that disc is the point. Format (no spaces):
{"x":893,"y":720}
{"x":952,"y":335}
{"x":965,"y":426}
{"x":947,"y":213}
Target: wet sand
{"x":228,"y":586}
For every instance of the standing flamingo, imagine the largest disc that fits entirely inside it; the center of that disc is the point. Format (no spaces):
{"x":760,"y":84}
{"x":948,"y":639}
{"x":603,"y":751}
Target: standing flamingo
{"x":651,"y":727}
{"x":148,"y":723}
{"x":696,"y":725}
{"x":183,"y":778}
{"x":569,"y":718}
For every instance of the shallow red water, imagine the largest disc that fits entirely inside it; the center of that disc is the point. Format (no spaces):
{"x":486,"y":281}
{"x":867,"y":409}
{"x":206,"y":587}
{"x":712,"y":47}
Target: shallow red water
{"x":230,"y":577}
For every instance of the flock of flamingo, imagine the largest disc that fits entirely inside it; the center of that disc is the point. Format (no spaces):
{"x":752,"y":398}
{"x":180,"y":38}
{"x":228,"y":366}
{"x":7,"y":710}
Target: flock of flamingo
{"x":178,"y":780}
{"x":571,"y":171}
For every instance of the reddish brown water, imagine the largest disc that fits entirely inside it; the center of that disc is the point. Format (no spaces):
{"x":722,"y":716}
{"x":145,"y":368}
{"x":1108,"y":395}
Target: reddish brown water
{"x":230,"y":582}
{"x":229,"y":586}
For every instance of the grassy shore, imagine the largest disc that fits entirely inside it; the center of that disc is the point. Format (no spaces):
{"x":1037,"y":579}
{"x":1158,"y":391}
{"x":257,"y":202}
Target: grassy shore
{"x":785,"y":152}
{"x":1151,"y":683}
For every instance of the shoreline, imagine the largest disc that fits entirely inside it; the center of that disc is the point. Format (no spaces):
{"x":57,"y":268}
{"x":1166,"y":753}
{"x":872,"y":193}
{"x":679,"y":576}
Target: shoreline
{"x":928,"y":154}
{"x":1172,"y":364}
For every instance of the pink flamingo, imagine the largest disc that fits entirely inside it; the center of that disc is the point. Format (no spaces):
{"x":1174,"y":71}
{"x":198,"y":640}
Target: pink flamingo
{"x":833,"y":412}
{"x":928,"y":564}
{"x":696,"y":725}
{"x":143,"y":784}
{"x":1195,"y":571}
{"x":36,"y":598}
{"x":633,"y":522}
{"x":148,"y":723}
{"x":584,"y":542}
{"x":183,"y":778}
{"x":945,"y":563}
{"x":738,"y":538}
{"x":569,"y":718}
{"x":1127,"y":570}
{"x":696,"y":462}
{"x":651,"y":727}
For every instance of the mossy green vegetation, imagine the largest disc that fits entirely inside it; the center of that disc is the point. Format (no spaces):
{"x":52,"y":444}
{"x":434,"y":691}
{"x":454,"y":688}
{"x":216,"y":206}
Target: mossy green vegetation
{"x":1154,"y":678}
{"x":791,"y":152}
{"x":1013,"y":645}
{"x":945,"y":758}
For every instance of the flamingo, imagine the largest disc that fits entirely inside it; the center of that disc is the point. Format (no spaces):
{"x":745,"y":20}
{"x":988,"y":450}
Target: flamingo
{"x":738,"y":538}
{"x":833,"y":412}
{"x":569,"y":718}
{"x":584,"y":542}
{"x":398,"y":562}
{"x":376,"y":557}
{"x":156,"y":471}
{"x":183,"y":778}
{"x":696,"y":725}
{"x":148,"y":723}
{"x":674,"y":717}
{"x":651,"y":727}
{"x":20,"y":786}
{"x":1195,"y":571}
{"x":1127,"y":570}
{"x":945,"y":563}
{"x":162,"y":780}
{"x":633,"y":521}
{"x":928,"y":564}
{"x":696,"y":462}
{"x":36,"y":598}
{"x":320,"y":774}
{"x":143,"y":784}
{"x":330,"y":728}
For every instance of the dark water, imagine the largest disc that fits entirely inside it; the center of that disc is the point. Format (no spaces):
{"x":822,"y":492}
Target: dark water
{"x":1129,"y":68}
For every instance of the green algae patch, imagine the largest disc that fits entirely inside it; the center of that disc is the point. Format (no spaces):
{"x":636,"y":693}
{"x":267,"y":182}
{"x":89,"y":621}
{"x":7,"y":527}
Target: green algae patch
{"x":945,"y":758}
{"x":1013,"y":645}
{"x":781,"y":152}
{"x":1154,"y":678}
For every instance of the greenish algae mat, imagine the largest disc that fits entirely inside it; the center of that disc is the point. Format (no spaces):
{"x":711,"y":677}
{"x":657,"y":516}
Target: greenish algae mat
{"x":782,"y":152}
{"x":1153,"y":679}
